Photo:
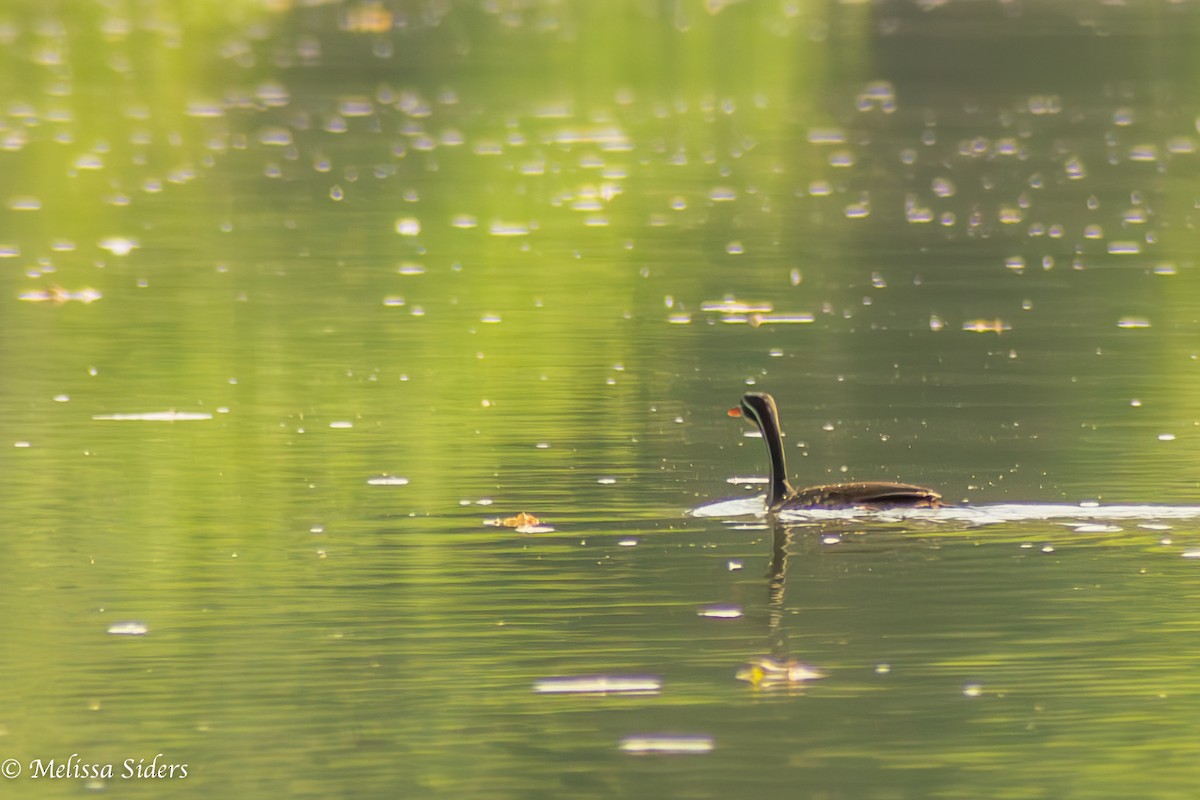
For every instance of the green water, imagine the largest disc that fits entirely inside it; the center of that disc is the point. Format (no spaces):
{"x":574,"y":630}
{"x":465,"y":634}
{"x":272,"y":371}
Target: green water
{"x":255,"y":256}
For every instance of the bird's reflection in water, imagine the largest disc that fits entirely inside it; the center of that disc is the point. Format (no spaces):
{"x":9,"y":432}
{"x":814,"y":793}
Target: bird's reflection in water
{"x":778,"y":670}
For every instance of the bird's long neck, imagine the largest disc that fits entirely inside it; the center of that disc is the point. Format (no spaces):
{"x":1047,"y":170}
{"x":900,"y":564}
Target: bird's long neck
{"x":768,"y":424}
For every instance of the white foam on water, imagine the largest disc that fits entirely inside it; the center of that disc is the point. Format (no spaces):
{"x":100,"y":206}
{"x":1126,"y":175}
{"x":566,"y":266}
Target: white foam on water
{"x":988,"y":514}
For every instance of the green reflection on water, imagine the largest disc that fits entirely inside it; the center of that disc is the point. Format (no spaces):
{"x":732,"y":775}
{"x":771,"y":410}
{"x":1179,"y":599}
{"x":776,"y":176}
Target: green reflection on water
{"x":496,"y":249}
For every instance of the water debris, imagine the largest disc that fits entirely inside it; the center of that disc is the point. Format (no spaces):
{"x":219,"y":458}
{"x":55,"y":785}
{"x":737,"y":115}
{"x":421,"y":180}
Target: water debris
{"x":986,"y":326}
{"x":721,"y":612}
{"x":128,"y":628}
{"x":387,"y":480}
{"x":667,"y":744}
{"x":58,"y":295}
{"x":599,"y":684}
{"x":522,"y":522}
{"x":156,"y":416}
{"x":770,"y":673}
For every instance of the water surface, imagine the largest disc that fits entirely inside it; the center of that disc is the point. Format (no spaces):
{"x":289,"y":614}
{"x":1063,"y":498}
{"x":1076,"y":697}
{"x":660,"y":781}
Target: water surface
{"x":298,"y":297}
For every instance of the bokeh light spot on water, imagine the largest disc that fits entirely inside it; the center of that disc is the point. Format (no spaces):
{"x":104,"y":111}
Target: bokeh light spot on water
{"x":599,"y":684}
{"x":118,"y":245}
{"x":24,"y":203}
{"x":275,"y":137}
{"x":1133,"y":323}
{"x":841,"y":159}
{"x":1124,"y":248}
{"x":826,"y":136}
{"x":859,"y":210}
{"x":820,"y":188}
{"x":721,"y":612}
{"x":986,"y":326}
{"x":667,"y":744}
{"x":499,"y":228}
{"x":387,"y":480}
{"x":156,"y":416}
{"x":1144,"y":152}
{"x":877,"y":96}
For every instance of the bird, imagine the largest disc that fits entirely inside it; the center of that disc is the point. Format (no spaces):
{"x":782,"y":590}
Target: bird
{"x":781,"y":496}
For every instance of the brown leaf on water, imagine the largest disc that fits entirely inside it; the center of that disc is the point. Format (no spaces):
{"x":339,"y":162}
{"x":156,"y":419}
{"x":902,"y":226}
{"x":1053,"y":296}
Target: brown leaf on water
{"x":770,"y":673}
{"x":523,"y":522}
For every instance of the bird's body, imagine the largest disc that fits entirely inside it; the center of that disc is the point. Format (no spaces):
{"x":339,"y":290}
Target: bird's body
{"x":781,"y":496}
